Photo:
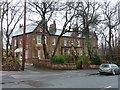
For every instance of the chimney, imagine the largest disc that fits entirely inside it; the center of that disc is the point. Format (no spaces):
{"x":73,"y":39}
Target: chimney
{"x":75,"y":32}
{"x":20,"y":26}
{"x":53,"y":28}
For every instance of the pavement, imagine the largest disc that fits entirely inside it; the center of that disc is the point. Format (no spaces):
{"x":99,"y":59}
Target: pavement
{"x":32,"y":77}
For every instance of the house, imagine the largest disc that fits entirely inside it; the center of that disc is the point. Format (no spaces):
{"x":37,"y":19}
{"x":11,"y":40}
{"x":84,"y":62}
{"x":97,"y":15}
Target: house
{"x":70,"y":42}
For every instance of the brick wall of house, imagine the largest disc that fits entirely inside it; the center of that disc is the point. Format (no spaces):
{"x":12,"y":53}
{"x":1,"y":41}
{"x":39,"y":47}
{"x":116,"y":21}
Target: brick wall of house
{"x":32,"y":47}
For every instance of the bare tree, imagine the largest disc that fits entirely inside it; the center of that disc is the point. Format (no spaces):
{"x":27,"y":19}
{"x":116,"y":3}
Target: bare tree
{"x":88,"y":17}
{"x":70,"y":12}
{"x":3,"y":10}
{"x":110,"y":22}
{"x":45,"y":9}
{"x":11,"y":15}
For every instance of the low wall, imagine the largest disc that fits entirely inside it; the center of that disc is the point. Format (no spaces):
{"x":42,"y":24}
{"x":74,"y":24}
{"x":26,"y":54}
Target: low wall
{"x":90,"y":66}
{"x":47,"y":64}
{"x":42,"y":63}
{"x":93,"y":66}
{"x":58,"y":66}
{"x":66,"y":66}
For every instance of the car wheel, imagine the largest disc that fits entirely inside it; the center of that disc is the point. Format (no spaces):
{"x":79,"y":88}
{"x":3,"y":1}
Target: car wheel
{"x":113,"y":72}
{"x":116,"y":72}
{"x":101,"y":73}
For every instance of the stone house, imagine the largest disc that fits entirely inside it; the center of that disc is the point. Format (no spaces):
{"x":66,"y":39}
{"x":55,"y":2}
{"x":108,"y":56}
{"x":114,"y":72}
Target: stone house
{"x":70,"y":42}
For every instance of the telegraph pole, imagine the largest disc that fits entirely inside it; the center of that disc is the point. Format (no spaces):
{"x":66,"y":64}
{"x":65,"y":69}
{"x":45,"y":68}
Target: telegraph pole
{"x":0,"y":39}
{"x":24,"y":38}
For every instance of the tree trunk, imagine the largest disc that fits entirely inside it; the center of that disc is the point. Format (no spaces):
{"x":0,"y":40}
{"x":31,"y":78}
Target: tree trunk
{"x":7,"y":47}
{"x":87,"y":34}
{"x":44,"y":27}
{"x":1,"y":37}
{"x":110,"y":47}
{"x":58,"y":40}
{"x":56,"y":46}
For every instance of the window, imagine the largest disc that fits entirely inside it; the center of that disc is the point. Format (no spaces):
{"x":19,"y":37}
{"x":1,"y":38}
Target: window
{"x":53,"y":41}
{"x":71,"y":42}
{"x":65,"y":42}
{"x":41,"y":30}
{"x":72,"y":52}
{"x":26,"y":54}
{"x":45,"y":40}
{"x":15,"y":43}
{"x":66,"y":51}
{"x":104,"y":65}
{"x":78,"y":42}
{"x":26,"y":46}
{"x":80,"y":52}
{"x":39,"y":54}
{"x":20,"y":41}
{"x":38,"y":39}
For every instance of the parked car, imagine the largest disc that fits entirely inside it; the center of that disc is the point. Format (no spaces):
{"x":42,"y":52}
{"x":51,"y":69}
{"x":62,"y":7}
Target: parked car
{"x":109,"y":69}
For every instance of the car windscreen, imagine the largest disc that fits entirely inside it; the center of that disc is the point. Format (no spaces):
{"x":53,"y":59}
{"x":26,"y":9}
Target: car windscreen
{"x":104,"y":65}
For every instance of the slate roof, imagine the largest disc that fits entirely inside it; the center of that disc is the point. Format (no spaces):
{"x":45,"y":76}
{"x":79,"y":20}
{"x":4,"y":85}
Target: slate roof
{"x":31,"y":27}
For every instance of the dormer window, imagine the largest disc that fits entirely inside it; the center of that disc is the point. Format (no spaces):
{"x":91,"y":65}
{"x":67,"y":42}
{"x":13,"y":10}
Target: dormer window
{"x":41,"y":29}
{"x":38,"y":39}
{"x":65,"y":42}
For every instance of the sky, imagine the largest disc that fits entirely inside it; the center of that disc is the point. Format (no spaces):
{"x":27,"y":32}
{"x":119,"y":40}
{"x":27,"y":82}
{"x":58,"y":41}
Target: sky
{"x":59,"y":23}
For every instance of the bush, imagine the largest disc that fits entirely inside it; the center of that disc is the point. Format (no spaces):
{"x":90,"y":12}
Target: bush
{"x":58,"y":59}
{"x":79,"y":64}
{"x":96,"y":59}
{"x":69,"y":58}
{"x":11,"y":64}
{"x":82,"y":60}
{"x":118,"y":62}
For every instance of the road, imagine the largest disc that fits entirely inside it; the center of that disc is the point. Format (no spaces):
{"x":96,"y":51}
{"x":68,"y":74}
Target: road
{"x":58,"y":79}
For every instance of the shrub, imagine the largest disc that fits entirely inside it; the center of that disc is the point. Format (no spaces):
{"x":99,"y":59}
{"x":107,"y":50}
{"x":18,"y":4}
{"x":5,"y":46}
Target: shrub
{"x":11,"y":64}
{"x":69,"y":58}
{"x":58,"y":59}
{"x":82,"y":60}
{"x":79,"y":64}
{"x":96,"y":59}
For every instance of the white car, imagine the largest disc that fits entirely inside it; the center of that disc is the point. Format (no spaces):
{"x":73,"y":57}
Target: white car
{"x":109,"y":69}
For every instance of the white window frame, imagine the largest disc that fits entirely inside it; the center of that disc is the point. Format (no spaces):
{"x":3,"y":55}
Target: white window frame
{"x":39,"y":54}
{"x":72,"y":42}
{"x":78,"y":42}
{"x":20,"y":41}
{"x":38,"y":39}
{"x":26,"y":46}
{"x":41,"y":30}
{"x":45,"y":40}
{"x":26,"y":54}
{"x":53,"y":41}
{"x":65,"y":42}
{"x":80,"y":52}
